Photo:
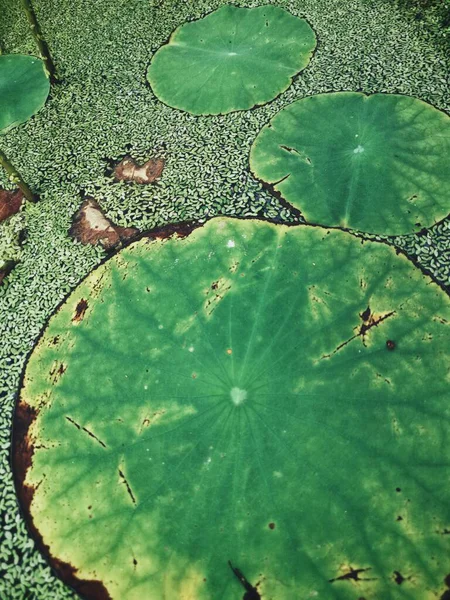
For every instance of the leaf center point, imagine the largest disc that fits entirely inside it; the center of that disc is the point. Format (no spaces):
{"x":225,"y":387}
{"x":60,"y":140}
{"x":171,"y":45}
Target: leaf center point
{"x":238,"y":396}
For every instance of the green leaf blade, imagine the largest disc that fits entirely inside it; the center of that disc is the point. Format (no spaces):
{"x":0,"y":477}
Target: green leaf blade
{"x":232,"y":397}
{"x":24,"y":88}
{"x":233,"y":59}
{"x":374,"y":163}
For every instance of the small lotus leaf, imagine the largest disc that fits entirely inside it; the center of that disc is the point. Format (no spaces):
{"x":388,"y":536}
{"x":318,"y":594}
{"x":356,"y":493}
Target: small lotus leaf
{"x":374,"y":163}
{"x":24,"y":87}
{"x":232,"y":59}
{"x":266,"y":395}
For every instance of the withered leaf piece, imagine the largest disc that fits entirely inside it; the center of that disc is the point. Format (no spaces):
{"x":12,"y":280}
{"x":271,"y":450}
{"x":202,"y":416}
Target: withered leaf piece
{"x":10,"y":203}
{"x":90,"y":226}
{"x":129,"y":170}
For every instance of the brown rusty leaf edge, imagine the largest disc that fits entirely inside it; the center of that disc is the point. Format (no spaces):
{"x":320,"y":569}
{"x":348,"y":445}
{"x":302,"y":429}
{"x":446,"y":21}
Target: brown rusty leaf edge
{"x":23,"y":450}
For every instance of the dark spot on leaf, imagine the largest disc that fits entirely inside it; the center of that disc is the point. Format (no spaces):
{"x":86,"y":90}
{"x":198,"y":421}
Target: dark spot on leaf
{"x":90,"y":434}
{"x":80,"y":311}
{"x":251,"y":591}
{"x":390,"y":345}
{"x":366,"y":314}
{"x":399,"y":518}
{"x":127,"y":485}
{"x":372,"y":321}
{"x":306,"y":159}
{"x":398,"y":578}
{"x":398,"y":489}
{"x":271,"y":525}
{"x":353,"y":574}
{"x":22,"y":444}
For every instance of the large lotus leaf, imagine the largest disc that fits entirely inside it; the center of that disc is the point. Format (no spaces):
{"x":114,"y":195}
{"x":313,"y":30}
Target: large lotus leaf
{"x":232,"y":59}
{"x":273,"y":396}
{"x":24,"y":87}
{"x":375,"y":163}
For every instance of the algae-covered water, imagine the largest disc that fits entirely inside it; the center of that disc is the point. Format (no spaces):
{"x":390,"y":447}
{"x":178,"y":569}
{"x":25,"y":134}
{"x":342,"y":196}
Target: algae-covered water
{"x":320,"y":468}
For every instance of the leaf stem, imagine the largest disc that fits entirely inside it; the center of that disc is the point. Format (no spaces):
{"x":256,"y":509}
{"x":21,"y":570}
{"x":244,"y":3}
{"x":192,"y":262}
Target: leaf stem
{"x":40,"y":41}
{"x":15,"y":177}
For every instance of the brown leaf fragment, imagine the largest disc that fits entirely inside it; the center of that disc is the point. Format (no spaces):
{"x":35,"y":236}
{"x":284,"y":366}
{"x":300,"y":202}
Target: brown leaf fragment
{"x":91,"y":226}
{"x":80,"y":311}
{"x":10,"y":203}
{"x":129,"y":170}
{"x":126,"y":233}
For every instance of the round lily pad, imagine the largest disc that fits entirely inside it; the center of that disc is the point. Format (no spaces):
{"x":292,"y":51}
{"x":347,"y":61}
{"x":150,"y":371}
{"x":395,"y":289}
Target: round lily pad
{"x":254,"y":409}
{"x":24,"y":87}
{"x":373,"y":163}
{"x":232,"y":59}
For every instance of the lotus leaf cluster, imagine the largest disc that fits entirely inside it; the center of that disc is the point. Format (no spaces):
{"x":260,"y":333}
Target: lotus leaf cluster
{"x":253,"y":410}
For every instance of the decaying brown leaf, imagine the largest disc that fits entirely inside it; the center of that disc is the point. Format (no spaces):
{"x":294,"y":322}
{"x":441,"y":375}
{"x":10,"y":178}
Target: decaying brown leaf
{"x":90,"y":226}
{"x":10,"y":203}
{"x":129,"y":170}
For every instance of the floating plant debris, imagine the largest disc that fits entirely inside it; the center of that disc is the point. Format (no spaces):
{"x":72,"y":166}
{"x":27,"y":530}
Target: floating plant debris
{"x":10,"y":203}
{"x":91,"y":226}
{"x":129,"y":170}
